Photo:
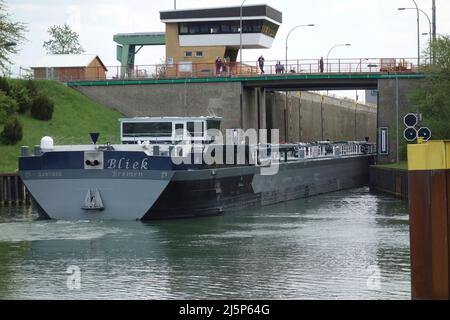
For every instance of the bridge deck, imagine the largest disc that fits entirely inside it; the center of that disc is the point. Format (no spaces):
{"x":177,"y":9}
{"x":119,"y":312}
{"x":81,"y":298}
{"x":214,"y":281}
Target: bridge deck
{"x":285,"y":82}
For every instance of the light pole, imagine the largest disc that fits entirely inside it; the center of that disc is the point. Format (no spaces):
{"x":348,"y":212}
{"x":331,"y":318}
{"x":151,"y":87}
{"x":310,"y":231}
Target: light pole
{"x":418,"y":31}
{"x":357,"y":96}
{"x":240,"y":36}
{"x":434,"y":19}
{"x":287,"y":38}
{"x":429,"y":22}
{"x":286,"y":132}
{"x":338,"y":45}
{"x":360,"y":64}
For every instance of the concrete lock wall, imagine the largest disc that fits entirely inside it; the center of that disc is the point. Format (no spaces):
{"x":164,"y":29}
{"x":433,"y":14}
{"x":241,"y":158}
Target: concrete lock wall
{"x":387,"y":108}
{"x":310,"y":116}
{"x":313,"y":117}
{"x":172,"y":100}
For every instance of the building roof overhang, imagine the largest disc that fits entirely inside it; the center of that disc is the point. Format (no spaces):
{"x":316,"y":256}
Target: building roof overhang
{"x":141,"y":38}
{"x":223,"y":13}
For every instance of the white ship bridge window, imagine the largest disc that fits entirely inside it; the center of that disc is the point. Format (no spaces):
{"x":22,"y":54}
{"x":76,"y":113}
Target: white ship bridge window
{"x":195,"y":129}
{"x":149,"y":129}
{"x":213,"y":124}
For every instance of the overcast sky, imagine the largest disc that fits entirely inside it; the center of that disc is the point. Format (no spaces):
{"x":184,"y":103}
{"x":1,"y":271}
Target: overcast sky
{"x":375,"y":28}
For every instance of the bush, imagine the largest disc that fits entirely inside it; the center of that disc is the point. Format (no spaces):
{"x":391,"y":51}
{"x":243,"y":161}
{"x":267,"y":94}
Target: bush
{"x":42,"y":108}
{"x":32,"y":88}
{"x":20,"y":94}
{"x":8,"y":107}
{"x":12,"y":132}
{"x":4,"y":85}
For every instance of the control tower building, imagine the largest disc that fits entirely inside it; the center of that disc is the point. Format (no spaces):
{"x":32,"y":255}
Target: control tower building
{"x":196,"y":38}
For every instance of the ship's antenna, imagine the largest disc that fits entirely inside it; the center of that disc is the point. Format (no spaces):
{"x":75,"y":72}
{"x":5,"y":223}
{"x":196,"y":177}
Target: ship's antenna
{"x":211,"y":112}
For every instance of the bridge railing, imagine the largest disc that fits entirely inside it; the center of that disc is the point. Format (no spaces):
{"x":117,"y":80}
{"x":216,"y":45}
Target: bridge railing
{"x":234,"y":69}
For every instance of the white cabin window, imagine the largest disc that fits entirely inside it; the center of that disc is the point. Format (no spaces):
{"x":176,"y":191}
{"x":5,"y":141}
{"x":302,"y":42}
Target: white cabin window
{"x":149,"y":129}
{"x":195,"y":129}
{"x":213,"y":124}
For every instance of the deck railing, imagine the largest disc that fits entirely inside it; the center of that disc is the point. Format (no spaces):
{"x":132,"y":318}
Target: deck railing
{"x":248,"y":69}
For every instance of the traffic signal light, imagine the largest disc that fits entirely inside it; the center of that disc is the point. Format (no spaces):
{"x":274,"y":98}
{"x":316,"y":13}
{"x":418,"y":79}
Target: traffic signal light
{"x":424,"y":133}
{"x":410,"y":134}
{"x":411,"y":120}
{"x":413,"y":129}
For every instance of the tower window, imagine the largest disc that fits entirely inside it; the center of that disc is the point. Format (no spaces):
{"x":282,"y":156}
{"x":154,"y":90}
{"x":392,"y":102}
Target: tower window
{"x":184,"y":28}
{"x":188,"y":54}
{"x":199,"y":54}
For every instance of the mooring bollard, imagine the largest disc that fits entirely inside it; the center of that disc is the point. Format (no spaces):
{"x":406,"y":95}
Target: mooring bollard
{"x":429,"y":206}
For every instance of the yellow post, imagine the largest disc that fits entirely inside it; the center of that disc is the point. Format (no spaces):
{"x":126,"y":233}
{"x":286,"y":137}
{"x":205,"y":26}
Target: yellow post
{"x":429,"y":206}
{"x":431,"y":155}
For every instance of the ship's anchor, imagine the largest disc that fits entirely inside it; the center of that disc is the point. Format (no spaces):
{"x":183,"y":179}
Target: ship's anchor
{"x":93,"y":201}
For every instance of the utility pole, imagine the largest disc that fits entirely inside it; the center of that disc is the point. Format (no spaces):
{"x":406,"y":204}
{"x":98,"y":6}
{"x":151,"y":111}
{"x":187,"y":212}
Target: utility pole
{"x":418,"y":34}
{"x":174,"y":4}
{"x":434,"y":20}
{"x":240,"y":36}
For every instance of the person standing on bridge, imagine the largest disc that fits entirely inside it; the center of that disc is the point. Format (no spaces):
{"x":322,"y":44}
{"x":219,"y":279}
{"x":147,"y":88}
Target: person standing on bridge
{"x":321,"y":65}
{"x":261,"y":64}
{"x":218,"y":63}
{"x":278,"y":67}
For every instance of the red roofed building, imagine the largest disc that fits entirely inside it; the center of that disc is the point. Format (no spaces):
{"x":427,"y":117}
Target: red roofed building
{"x":70,"y":67}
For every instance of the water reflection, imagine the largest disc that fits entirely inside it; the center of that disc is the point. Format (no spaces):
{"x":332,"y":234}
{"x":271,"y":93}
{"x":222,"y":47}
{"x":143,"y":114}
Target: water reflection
{"x":315,"y":248}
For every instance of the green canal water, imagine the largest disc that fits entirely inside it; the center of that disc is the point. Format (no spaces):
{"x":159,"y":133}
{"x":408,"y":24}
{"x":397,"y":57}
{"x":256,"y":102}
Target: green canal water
{"x":346,"y":245}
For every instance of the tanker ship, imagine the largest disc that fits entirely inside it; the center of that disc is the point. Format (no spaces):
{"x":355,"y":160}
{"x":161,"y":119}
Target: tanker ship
{"x":152,"y":174}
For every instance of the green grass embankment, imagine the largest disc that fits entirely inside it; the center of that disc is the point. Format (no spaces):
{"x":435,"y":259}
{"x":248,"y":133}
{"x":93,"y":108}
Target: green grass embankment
{"x":74,"y":117}
{"x":403,"y":165}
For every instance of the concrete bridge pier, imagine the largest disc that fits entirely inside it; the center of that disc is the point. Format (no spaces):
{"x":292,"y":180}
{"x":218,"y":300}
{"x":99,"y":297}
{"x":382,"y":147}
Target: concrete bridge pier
{"x":254,"y":109}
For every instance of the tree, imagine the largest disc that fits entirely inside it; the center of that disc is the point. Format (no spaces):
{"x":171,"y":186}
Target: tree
{"x":11,"y":34}
{"x":12,"y":132}
{"x":42,"y":108}
{"x":8,"y":107}
{"x":20,"y":94}
{"x":433,"y":99}
{"x":32,"y":88}
{"x":63,"y":41}
{"x":4,"y":85}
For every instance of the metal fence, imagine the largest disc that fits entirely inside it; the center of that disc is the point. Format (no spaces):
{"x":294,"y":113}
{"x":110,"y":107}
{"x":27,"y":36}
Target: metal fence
{"x":270,"y":68}
{"x":12,"y":190}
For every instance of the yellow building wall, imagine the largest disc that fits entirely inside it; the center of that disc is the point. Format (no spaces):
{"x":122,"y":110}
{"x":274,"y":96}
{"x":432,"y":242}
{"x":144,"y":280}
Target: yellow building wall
{"x":200,"y":65}
{"x":95,"y":71}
